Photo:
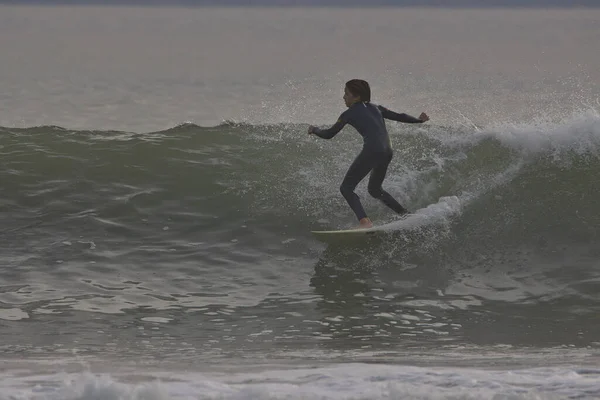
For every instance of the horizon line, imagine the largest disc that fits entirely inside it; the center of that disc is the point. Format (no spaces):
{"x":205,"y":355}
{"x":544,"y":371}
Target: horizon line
{"x":325,"y":4}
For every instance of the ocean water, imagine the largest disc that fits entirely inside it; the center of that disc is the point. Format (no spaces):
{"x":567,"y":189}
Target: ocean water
{"x":158,"y":190}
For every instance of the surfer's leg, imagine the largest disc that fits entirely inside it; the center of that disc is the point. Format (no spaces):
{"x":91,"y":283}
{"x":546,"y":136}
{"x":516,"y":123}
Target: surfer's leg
{"x":356,"y":173}
{"x":375,"y":189}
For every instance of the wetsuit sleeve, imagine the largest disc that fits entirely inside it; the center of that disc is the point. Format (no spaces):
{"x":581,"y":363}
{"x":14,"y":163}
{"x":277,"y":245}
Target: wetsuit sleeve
{"x":394,"y":116}
{"x":335,"y":128}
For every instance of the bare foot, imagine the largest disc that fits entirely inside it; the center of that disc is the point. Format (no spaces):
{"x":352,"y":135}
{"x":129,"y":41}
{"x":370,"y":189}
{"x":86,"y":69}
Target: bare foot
{"x":365,"y":223}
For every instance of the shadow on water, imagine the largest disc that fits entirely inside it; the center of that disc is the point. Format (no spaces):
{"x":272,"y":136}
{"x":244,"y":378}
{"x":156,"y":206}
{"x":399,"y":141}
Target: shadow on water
{"x":356,"y":266}
{"x":375,"y":292}
{"x":412,"y":288}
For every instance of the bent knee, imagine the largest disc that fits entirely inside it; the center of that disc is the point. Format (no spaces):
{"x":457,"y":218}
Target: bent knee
{"x":376,"y":192}
{"x":346,"y":190}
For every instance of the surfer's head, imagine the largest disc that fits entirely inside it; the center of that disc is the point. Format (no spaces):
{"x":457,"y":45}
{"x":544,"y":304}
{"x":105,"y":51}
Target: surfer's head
{"x":357,"y":90}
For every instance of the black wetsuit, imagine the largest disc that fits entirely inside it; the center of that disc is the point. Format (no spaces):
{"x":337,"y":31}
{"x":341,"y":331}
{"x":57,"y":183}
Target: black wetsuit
{"x":375,"y":156}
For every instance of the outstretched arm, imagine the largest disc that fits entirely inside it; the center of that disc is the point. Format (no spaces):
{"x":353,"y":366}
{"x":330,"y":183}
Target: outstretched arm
{"x":394,"y":116}
{"x":330,"y":132}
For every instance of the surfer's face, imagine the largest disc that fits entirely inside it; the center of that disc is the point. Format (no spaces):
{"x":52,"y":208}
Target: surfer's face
{"x":349,"y":98}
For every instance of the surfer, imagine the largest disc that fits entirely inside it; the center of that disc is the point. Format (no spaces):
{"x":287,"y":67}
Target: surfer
{"x":376,"y":154}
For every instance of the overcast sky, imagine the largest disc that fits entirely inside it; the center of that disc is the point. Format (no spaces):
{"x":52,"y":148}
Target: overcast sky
{"x":446,"y":3}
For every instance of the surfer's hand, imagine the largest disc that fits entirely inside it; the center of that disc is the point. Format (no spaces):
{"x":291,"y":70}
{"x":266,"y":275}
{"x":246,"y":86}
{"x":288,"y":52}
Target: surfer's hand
{"x":424,"y":117}
{"x":311,"y":130}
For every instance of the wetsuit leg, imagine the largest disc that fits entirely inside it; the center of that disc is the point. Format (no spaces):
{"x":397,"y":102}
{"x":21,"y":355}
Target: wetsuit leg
{"x":375,"y":182}
{"x":359,"y":169}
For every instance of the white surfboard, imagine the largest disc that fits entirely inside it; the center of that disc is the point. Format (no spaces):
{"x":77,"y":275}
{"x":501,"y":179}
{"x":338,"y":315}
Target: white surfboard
{"x":350,"y":232}
{"x":359,"y":234}
{"x":445,"y":207}
{"x":348,"y":235}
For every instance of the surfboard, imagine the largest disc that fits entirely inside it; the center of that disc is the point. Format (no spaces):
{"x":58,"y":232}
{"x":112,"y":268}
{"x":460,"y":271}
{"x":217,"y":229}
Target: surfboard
{"x":348,"y":232}
{"x":355,"y":233}
{"x":433,"y":213}
{"x":348,"y":235}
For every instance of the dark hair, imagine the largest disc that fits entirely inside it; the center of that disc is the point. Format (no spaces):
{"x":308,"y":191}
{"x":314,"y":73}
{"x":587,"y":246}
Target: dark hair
{"x":359,"y":88}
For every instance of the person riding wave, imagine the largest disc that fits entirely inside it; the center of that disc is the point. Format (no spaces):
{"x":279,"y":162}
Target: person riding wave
{"x":376,"y":154}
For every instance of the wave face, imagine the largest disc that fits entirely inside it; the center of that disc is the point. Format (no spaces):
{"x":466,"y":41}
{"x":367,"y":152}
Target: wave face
{"x":210,"y":226}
